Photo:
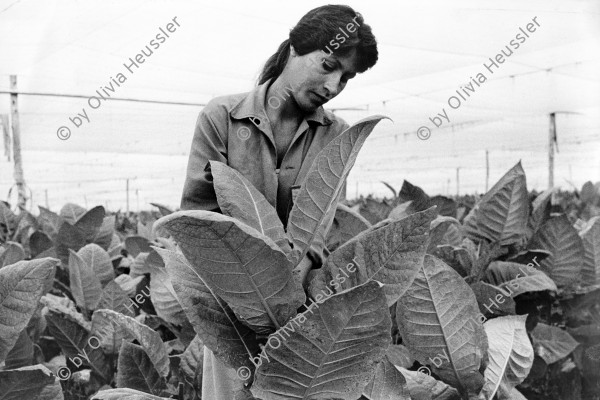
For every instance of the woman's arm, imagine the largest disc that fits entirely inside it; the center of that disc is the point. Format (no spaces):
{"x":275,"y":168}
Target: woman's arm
{"x":207,"y":144}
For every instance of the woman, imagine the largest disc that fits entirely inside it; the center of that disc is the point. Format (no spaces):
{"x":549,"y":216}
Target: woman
{"x":272,"y":134}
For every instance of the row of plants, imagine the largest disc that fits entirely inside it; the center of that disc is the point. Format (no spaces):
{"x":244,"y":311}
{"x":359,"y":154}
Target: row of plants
{"x":418,"y":297}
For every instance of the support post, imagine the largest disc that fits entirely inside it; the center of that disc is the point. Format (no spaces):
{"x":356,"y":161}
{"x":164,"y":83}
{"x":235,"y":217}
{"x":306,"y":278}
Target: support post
{"x":487,"y":169}
{"x":127,"y":190}
{"x":16,"y":139}
{"x":551,"y":141}
{"x":457,"y":182}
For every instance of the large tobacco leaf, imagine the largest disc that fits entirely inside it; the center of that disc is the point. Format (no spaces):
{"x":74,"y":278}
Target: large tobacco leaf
{"x":518,"y":278}
{"x":31,"y":383}
{"x":458,"y":258}
{"x":400,"y":356}
{"x":312,"y":213}
{"x":238,"y":198}
{"x":41,"y":245}
{"x":22,"y":352}
{"x":110,"y":336}
{"x":163,"y":294}
{"x":422,"y":386}
{"x":125,"y":394}
{"x":445,"y":206}
{"x":69,"y":237}
{"x":71,"y":212}
{"x":590,"y":236}
{"x":21,"y":286}
{"x":135,"y":370}
{"x":493,"y":299}
{"x":49,"y":222}
{"x":13,"y":253}
{"x":453,"y":236}
{"x":64,"y":306}
{"x":559,"y":237}
{"x":128,"y":284}
{"x":391,"y":254}
{"x":347,"y":224}
{"x":103,"y":237}
{"x":163,"y":209}
{"x":136,"y":245}
{"x":375,"y":211}
{"x":76,"y":230}
{"x":99,"y":261}
{"x":329,"y":351}
{"x":552,"y":343}
{"x":85,"y":285}
{"x":440,"y":323}
{"x":402,"y":211}
{"x":409,"y":192}
{"x":232,"y":342}
{"x":510,"y":354}
{"x":240,"y":265}
{"x":90,"y":222}
{"x":387,"y":384}
{"x":540,"y":212}
{"x":148,"y":338}
{"x":501,"y":214}
{"x":114,"y":298}
{"x":8,"y":218}
{"x":192,"y":360}
{"x":439,"y":228}
{"x":77,"y":343}
{"x":138,"y":266}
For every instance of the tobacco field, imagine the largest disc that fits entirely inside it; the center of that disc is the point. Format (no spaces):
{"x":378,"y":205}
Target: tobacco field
{"x":418,"y":297}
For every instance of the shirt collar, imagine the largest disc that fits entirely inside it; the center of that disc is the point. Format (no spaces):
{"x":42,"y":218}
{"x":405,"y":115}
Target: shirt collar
{"x":252,"y":105}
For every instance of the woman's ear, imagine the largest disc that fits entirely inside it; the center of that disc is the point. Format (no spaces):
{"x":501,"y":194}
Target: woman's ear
{"x":293,"y":51}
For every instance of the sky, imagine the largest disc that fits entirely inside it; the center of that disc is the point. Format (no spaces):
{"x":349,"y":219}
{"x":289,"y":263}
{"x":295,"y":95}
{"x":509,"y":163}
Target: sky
{"x":428,"y":51}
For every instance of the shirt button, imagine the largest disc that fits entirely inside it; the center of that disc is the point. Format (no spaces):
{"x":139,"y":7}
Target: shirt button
{"x":255,"y":121}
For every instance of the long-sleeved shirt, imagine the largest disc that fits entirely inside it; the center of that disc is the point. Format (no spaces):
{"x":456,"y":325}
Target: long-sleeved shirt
{"x":234,"y":129}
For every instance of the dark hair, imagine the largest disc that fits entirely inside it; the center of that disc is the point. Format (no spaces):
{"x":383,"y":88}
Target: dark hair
{"x":316,"y":29}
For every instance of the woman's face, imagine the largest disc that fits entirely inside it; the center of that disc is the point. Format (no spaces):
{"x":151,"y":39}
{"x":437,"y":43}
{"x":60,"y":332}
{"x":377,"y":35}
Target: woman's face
{"x":317,"y":77}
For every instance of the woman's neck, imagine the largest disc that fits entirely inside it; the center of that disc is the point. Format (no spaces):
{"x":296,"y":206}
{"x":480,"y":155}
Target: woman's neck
{"x":280,"y":105}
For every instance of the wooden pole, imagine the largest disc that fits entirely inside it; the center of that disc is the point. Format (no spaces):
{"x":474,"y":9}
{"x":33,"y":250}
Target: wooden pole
{"x":487,"y":169}
{"x":16,"y":139}
{"x":127,"y":190}
{"x":551,"y":141}
{"x":6,"y":134}
{"x":46,"y":195}
{"x":457,"y":181}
